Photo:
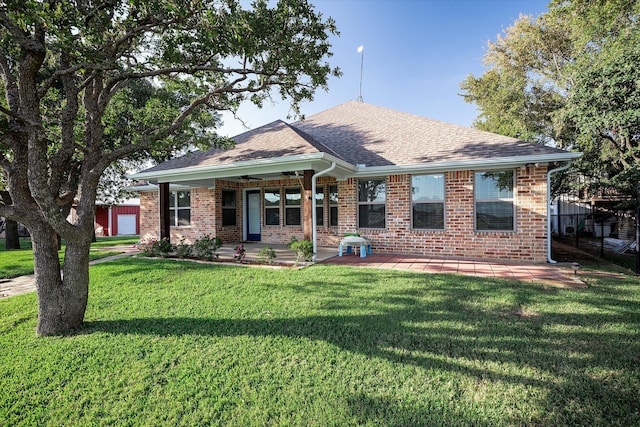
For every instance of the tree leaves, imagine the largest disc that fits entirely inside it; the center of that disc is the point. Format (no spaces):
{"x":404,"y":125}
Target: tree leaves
{"x":568,"y":77}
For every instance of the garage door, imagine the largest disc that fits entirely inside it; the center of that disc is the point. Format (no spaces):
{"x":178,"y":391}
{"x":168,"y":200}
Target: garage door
{"x":126,"y":224}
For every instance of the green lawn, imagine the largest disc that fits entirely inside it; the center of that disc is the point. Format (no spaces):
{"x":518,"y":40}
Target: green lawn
{"x":16,"y":263}
{"x":181,"y":343}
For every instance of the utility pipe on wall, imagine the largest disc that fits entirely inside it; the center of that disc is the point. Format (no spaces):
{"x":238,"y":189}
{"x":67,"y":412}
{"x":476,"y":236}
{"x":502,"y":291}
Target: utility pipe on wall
{"x":549,"y":173}
{"x":314,"y":235}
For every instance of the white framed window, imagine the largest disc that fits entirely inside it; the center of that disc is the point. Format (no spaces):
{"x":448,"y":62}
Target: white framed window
{"x":292,"y":206}
{"x":272,"y":206}
{"x":372,"y":198}
{"x":180,"y":208}
{"x":333,"y":205}
{"x":229,"y":207}
{"x":494,"y":200}
{"x":427,"y":202}
{"x":320,"y":206}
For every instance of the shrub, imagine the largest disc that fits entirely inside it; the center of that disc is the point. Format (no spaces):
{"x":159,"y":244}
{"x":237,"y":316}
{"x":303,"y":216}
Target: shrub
{"x":240,"y":253}
{"x":206,"y":247}
{"x":155,"y":247}
{"x":303,"y":248}
{"x":183,"y":250}
{"x":267,"y":254}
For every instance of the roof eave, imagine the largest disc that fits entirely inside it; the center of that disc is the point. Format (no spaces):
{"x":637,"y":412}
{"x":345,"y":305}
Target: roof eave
{"x":475,"y":164}
{"x":314,"y":161}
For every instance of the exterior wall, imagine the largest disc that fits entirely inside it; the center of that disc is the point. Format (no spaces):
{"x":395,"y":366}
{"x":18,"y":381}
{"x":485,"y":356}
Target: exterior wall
{"x":206,"y":215}
{"x":459,"y":239}
{"x":149,"y":215}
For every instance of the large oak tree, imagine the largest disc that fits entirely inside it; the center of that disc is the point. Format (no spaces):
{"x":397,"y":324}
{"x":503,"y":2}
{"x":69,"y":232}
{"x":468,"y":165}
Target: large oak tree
{"x":89,"y":82}
{"x":572,"y":77}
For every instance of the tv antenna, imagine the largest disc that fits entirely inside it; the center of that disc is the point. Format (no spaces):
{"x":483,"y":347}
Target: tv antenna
{"x":361,"y":52}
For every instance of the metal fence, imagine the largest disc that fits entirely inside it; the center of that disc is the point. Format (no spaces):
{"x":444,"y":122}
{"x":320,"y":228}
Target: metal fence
{"x":607,"y":233}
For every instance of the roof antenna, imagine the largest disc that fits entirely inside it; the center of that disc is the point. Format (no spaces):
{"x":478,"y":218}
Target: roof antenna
{"x":361,"y":51}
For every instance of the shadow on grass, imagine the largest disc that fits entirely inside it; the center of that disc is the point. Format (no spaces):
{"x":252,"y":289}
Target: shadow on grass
{"x":586,"y":359}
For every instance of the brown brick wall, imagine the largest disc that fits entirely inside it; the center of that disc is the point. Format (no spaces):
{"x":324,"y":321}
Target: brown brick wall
{"x":458,"y":239}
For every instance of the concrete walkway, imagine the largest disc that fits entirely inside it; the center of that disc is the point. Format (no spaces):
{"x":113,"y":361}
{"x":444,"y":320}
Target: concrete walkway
{"x":554,"y":275}
{"x":23,"y":284}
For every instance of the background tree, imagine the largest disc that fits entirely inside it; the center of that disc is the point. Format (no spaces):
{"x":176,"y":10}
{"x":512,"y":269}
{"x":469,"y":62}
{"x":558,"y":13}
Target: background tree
{"x":9,"y":226}
{"x":569,"y":77}
{"x":71,"y":69}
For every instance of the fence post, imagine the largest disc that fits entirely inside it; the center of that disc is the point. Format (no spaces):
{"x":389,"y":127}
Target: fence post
{"x":602,"y":239}
{"x":638,"y":239}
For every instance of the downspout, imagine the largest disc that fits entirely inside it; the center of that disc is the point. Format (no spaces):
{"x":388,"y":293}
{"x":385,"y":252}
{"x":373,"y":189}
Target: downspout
{"x":549,"y":173}
{"x":314,"y":234}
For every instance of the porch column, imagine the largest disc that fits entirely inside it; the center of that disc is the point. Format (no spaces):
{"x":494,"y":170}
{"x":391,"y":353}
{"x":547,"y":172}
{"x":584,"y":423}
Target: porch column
{"x":307,"y":205}
{"x":165,"y":231}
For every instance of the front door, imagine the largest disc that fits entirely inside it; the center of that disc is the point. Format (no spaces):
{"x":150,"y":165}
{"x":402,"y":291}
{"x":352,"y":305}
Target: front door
{"x":253,"y":215}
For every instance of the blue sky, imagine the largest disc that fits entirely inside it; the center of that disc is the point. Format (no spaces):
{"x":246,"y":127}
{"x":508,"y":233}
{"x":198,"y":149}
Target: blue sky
{"x":416,"y":53}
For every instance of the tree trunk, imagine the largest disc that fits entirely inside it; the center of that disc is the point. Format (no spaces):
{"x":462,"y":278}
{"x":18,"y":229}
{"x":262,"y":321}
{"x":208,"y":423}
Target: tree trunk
{"x":12,"y":239}
{"x":62,"y":299}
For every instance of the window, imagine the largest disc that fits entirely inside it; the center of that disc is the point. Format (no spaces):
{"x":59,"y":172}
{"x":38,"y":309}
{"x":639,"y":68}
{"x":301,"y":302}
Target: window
{"x":272,"y":206}
{"x":427,"y":201}
{"x":228,"y":207}
{"x":320,"y":206}
{"x":333,"y":205}
{"x":292,"y":206}
{"x":180,"y":208}
{"x":494,"y":200}
{"x":371,"y":203}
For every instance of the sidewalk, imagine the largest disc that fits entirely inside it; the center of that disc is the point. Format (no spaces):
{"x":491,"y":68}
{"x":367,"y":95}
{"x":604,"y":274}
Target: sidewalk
{"x":23,"y":284}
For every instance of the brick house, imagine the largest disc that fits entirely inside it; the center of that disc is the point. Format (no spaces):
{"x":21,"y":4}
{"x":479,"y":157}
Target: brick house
{"x":410,"y":184}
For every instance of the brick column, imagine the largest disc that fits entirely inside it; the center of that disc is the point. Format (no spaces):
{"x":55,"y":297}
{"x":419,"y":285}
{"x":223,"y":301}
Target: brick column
{"x":307,"y":205}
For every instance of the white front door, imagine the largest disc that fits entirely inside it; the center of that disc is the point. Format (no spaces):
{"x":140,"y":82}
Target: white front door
{"x":253,"y":215}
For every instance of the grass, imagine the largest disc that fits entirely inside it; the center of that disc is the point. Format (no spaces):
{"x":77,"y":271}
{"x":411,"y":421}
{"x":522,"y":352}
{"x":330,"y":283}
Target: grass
{"x":19,"y":262}
{"x":181,"y":343}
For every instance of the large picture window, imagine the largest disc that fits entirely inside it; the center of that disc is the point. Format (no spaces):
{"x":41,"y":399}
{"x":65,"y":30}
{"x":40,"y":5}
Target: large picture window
{"x":228,"y":207}
{"x":272,"y":206}
{"x":180,"y":208}
{"x":494,"y":200}
{"x":320,"y":206}
{"x":427,"y":201}
{"x":292,"y":206}
{"x":372,"y":197}
{"x":333,"y":205}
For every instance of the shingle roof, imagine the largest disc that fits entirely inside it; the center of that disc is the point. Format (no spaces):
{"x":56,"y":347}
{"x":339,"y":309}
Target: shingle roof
{"x":366,"y":134}
{"x":361,"y":133}
{"x":276,"y":139}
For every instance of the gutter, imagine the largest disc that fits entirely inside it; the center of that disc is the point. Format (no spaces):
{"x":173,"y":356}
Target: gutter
{"x":549,"y":173}
{"x":314,"y":227}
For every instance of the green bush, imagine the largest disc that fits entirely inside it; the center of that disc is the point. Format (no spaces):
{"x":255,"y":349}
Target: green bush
{"x":303,"y":248}
{"x":183,"y":249}
{"x":206,"y":247}
{"x":156,"y":248}
{"x":267,"y":254}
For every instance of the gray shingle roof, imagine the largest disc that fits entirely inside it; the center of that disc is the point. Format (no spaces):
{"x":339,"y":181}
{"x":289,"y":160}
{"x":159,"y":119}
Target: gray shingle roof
{"x":276,"y":139}
{"x":366,"y":134}
{"x":361,"y":133}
